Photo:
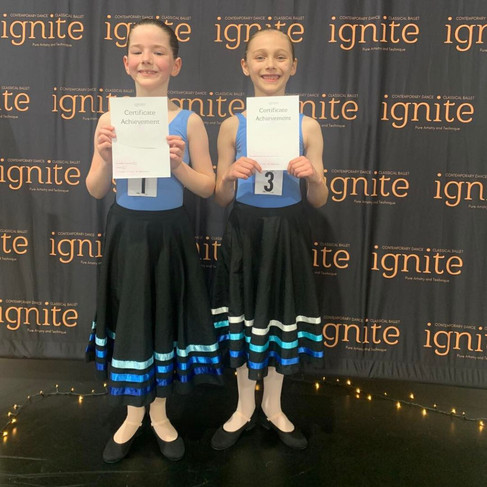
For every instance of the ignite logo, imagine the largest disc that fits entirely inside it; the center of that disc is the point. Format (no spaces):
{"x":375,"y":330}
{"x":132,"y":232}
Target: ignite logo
{"x":417,"y":263}
{"x":85,"y":248}
{"x":465,"y":32}
{"x":330,"y":258}
{"x":13,"y":243}
{"x":456,"y":189}
{"x":368,"y":335}
{"x":70,"y":102}
{"x":117,"y":27}
{"x":367,"y":187}
{"x":44,"y":30}
{"x":445,"y":112}
{"x":468,"y":341}
{"x":207,"y":247}
{"x":332,"y":110}
{"x":234,"y":31}
{"x":39,"y":175}
{"x":38,"y":317}
{"x":209,"y":105}
{"x":372,"y":33}
{"x":14,"y":100}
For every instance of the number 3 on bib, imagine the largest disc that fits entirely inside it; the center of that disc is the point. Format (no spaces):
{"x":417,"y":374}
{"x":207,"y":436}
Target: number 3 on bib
{"x":268,"y":182}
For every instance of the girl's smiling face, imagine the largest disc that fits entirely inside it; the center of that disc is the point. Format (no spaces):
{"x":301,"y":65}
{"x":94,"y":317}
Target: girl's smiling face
{"x":150,"y":60}
{"x":269,"y":62}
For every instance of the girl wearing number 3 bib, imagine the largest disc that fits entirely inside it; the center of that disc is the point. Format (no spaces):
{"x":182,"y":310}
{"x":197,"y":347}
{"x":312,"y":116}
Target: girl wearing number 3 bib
{"x":264,"y":300}
{"x":153,"y":334}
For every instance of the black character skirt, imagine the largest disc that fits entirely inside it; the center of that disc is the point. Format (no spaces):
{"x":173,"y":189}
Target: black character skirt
{"x":265,"y":304}
{"x":153,"y":334}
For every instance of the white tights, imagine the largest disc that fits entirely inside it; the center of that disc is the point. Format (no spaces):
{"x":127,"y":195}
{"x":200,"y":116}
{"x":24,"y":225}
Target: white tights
{"x":271,"y":401}
{"x":159,"y":420}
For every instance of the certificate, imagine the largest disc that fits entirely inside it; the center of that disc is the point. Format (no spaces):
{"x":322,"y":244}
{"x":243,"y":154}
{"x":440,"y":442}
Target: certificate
{"x":140,"y":149}
{"x":273,"y":130}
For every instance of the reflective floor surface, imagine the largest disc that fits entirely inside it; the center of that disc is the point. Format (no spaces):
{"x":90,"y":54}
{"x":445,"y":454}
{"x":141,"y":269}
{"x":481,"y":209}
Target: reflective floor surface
{"x":355,"y":438}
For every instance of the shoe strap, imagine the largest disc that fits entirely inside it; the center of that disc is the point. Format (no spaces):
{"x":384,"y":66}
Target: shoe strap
{"x":133,"y":423}
{"x":243,"y":416}
{"x":160,"y":423}
{"x":274,"y":416}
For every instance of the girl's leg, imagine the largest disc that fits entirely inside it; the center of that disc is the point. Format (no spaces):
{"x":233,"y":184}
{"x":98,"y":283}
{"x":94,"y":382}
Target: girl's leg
{"x":170,"y":443}
{"x":271,"y":400}
{"x":246,"y":401}
{"x":160,"y":422}
{"x":118,"y":446}
{"x":132,"y":422}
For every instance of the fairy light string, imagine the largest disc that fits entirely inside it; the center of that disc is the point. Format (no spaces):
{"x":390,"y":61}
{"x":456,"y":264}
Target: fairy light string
{"x":15,"y":410}
{"x":411,"y":401}
{"x":317,"y":385}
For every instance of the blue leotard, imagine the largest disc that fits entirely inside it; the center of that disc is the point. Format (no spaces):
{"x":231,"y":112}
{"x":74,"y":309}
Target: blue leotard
{"x":291,"y":193}
{"x":169,"y":190}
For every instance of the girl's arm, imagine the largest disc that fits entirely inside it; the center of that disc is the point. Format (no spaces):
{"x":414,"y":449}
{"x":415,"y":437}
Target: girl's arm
{"x":199,"y":178}
{"x":229,"y":170}
{"x":99,"y":179}
{"x":310,"y":166}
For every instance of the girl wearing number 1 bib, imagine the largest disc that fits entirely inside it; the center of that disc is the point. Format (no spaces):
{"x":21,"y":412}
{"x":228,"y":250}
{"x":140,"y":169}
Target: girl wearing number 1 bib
{"x":264,"y":302}
{"x":153,"y":333}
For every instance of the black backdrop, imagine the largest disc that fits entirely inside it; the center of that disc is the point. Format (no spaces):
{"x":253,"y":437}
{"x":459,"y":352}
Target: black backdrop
{"x":398,"y":87}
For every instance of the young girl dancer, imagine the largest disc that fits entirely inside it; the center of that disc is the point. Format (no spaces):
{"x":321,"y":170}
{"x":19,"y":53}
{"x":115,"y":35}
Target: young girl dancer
{"x":154,"y":332}
{"x":264,"y":289}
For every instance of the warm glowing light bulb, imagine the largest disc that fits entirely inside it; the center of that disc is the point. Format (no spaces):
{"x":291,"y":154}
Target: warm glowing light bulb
{"x":349,"y":382}
{"x":13,"y":420}
{"x":80,"y":399}
{"x":369,"y":397}
{"x":317,"y":385}
{"x":411,"y":396}
{"x":424,"y":412}
{"x":5,"y":434}
{"x":357,"y":390}
{"x":398,"y":405}
{"x":454,"y":411}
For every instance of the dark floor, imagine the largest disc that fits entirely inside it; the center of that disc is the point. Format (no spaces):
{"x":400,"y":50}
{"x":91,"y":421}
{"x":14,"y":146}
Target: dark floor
{"x":58,"y":441}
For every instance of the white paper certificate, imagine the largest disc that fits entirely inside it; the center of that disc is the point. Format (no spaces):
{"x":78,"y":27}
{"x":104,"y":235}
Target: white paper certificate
{"x":140,"y":149}
{"x":273,"y":130}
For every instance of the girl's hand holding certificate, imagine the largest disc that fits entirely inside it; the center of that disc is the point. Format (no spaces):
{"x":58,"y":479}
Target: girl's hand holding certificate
{"x":301,"y":167}
{"x":243,"y":168}
{"x":176,"y":150}
{"x":104,"y":142}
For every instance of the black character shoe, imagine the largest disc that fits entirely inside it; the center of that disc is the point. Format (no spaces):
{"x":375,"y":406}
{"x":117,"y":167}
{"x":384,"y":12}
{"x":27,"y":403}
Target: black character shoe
{"x":172,"y":450}
{"x":293,"y":439}
{"x":114,"y":452}
{"x":223,"y":439}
